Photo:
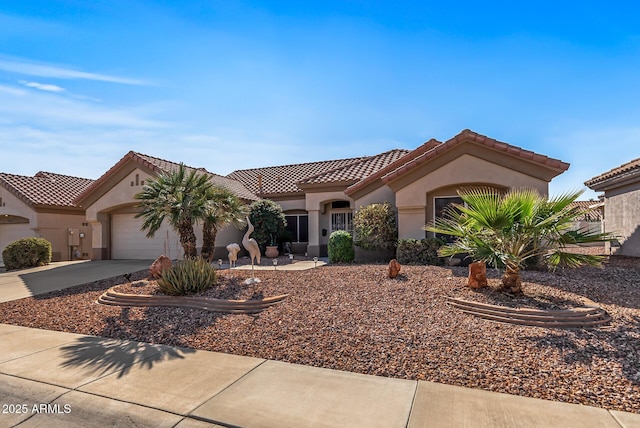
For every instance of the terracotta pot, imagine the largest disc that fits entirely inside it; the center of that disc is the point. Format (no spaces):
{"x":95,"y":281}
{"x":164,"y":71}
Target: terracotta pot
{"x":271,"y":252}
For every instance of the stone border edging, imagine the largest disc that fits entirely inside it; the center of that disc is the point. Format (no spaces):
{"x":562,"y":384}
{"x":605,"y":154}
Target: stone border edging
{"x":249,"y":306}
{"x":569,"y":318}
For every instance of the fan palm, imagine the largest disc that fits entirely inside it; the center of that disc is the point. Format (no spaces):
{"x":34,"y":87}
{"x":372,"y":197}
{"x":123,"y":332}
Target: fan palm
{"x":178,"y":196}
{"x":508,"y":230}
{"x":223,"y":208}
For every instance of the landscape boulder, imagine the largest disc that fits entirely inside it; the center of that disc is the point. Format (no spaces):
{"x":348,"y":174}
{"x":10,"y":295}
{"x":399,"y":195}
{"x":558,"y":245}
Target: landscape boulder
{"x":477,"y":275}
{"x":394,"y":268}
{"x":159,"y":265}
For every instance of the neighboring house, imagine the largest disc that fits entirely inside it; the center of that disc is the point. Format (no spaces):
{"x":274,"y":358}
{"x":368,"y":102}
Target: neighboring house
{"x":42,"y":206}
{"x":111,"y":208}
{"x":591,"y":221}
{"x":321,"y":197}
{"x":621,"y":187}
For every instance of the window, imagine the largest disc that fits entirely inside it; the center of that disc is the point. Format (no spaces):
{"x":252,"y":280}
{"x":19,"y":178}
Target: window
{"x":440,"y":204}
{"x":342,"y":221}
{"x":298,"y":226}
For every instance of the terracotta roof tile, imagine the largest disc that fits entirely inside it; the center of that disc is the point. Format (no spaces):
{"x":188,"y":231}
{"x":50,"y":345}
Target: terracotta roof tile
{"x":625,"y":169}
{"x":358,"y":170}
{"x":429,"y":145}
{"x":275,"y":180}
{"x":161,"y":165}
{"x":229,"y":184}
{"x":595,"y":210}
{"x":46,"y":188}
{"x":467,"y":135}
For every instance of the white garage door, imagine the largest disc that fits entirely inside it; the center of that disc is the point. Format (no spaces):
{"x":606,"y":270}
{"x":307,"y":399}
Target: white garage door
{"x":129,"y":242}
{"x":12,"y":232}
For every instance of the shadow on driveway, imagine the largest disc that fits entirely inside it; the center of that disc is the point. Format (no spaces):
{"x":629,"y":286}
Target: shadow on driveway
{"x":57,"y":276}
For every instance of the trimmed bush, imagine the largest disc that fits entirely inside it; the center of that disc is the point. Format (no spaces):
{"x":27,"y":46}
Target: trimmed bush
{"x":375,"y":227}
{"x":26,"y":253}
{"x":419,"y":252}
{"x":187,"y":276}
{"x":341,"y":247}
{"x":268,"y":221}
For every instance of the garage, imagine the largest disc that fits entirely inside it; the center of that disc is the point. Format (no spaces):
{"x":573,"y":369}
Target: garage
{"x":129,"y":242}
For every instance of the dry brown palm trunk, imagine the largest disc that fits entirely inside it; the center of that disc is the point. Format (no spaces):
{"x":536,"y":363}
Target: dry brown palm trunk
{"x":511,"y":280}
{"x":188,"y":239}
{"x":208,"y":241}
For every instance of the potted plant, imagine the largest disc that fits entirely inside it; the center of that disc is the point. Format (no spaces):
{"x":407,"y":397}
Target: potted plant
{"x":272,"y":248}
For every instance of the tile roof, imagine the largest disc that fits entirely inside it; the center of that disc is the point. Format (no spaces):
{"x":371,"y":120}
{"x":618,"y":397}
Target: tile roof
{"x":46,"y":188}
{"x":277,"y":180}
{"x":162,"y":166}
{"x":358,"y":170}
{"x":392,"y":166}
{"x":468,"y":135}
{"x":627,"y":169}
{"x":595,"y":210}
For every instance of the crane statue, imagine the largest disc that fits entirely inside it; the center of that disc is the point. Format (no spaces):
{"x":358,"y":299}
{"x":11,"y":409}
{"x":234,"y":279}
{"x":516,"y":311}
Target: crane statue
{"x":252,"y":247}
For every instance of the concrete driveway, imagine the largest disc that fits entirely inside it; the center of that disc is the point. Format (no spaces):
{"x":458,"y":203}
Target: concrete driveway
{"x":58,"y":275}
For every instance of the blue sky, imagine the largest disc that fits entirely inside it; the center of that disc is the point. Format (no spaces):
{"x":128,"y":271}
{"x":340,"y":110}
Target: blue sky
{"x":230,"y":85}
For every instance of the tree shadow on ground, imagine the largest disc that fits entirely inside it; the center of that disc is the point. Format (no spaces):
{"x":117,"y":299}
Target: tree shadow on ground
{"x":620,"y":345}
{"x":106,"y":355}
{"x":174,"y":326}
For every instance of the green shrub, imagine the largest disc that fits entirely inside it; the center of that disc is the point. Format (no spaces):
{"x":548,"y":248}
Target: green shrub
{"x":190,"y":275}
{"x":341,"y":247}
{"x":419,"y":252}
{"x":375,"y":227}
{"x":27,"y":252}
{"x":268,"y":220}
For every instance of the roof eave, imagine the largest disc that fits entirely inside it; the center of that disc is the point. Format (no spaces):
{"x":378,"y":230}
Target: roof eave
{"x":619,"y":180}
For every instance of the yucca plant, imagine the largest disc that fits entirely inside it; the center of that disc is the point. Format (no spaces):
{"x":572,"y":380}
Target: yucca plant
{"x":190,"y":275}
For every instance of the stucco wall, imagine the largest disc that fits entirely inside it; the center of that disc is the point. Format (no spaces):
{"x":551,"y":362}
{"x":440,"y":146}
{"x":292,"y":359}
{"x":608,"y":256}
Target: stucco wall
{"x":15,"y":206}
{"x":52,"y":226}
{"x":319,"y":209}
{"x":119,"y":195}
{"x":55,"y":228}
{"x":622,"y":218}
{"x":378,"y":196}
{"x":412,"y":200}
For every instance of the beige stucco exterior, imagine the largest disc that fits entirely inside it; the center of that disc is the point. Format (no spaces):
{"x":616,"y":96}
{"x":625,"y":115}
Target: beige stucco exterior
{"x":415,"y":194}
{"x":53,"y":224}
{"x":318,"y":207}
{"x":118,"y":197}
{"x":622,"y":218}
{"x":409,"y":183}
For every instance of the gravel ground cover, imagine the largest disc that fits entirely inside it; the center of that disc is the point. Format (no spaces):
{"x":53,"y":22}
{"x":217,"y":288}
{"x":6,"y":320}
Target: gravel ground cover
{"x":352,"y":317}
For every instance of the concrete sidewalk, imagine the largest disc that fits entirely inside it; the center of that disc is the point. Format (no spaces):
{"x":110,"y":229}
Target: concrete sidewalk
{"x":60,"y":379}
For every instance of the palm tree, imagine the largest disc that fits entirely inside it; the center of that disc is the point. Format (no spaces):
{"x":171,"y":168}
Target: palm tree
{"x":180,"y":197}
{"x":508,"y":230}
{"x":223,"y":208}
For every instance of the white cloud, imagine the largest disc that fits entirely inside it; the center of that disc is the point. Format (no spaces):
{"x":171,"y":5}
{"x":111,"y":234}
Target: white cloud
{"x":42,"y":111}
{"x":10,"y":90}
{"x":30,"y":68}
{"x":42,"y":86}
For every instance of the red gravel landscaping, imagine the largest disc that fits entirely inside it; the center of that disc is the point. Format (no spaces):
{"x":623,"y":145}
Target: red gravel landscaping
{"x":353,"y":318}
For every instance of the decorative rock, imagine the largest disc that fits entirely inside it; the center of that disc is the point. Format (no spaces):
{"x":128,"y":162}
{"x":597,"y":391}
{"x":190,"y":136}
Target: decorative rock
{"x":394,"y":268}
{"x":477,"y":275}
{"x":160,"y":264}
